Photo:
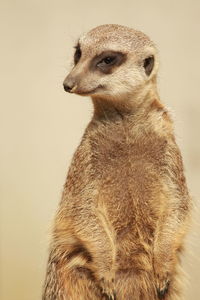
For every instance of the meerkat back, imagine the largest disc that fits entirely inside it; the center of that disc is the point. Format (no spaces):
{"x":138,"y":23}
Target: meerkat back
{"x":125,"y":209}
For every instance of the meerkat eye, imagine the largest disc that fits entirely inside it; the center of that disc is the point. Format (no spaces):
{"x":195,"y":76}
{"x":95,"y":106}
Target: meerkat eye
{"x":148,"y":65}
{"x":109,"y":60}
{"x":77,"y":54}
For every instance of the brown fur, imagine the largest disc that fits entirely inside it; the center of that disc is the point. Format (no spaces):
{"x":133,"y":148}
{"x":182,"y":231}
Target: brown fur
{"x":119,"y":229}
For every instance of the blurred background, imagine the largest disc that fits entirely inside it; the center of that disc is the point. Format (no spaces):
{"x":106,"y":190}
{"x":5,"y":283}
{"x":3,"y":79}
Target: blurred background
{"x":41,"y":125}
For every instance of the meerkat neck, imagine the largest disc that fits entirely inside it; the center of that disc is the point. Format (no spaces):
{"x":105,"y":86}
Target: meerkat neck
{"x":109,"y":108}
{"x":112,"y":108}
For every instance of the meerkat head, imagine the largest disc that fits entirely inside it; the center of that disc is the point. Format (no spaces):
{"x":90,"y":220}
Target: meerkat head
{"x":112,"y":61}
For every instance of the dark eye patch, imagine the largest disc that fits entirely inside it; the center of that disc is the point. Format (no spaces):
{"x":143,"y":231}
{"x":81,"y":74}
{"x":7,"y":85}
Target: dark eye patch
{"x":77,"y":54}
{"x":107,"y":60}
{"x":148,"y":65}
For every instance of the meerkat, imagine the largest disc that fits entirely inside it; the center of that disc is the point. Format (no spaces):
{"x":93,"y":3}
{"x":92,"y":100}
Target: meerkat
{"x":125,"y":208}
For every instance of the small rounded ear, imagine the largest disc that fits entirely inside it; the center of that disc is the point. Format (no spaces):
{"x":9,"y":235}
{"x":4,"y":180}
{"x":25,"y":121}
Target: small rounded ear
{"x":148,"y":65}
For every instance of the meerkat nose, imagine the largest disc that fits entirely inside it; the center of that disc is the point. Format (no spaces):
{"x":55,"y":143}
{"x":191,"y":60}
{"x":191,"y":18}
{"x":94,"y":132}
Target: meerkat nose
{"x":68,"y":88}
{"x":69,"y":85}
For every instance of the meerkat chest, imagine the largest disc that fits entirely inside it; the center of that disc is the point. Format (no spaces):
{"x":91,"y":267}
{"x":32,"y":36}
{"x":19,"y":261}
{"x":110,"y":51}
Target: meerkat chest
{"x":128,"y":167}
{"x":122,"y":149}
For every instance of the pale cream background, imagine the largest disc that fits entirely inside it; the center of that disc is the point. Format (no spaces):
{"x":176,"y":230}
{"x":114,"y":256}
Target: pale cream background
{"x":41,"y":125}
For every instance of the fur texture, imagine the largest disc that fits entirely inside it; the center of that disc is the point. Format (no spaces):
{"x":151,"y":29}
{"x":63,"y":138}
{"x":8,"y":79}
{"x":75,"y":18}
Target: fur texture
{"x":125,"y":209}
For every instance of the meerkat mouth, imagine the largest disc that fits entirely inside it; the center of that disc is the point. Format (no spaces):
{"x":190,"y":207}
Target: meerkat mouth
{"x":88,"y":93}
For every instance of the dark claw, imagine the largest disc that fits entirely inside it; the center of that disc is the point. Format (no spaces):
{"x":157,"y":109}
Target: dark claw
{"x":111,"y":297}
{"x":163,"y":292}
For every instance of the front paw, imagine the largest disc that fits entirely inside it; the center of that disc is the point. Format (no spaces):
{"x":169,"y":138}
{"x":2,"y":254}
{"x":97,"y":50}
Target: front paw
{"x":107,"y":288}
{"x":162,"y":286}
